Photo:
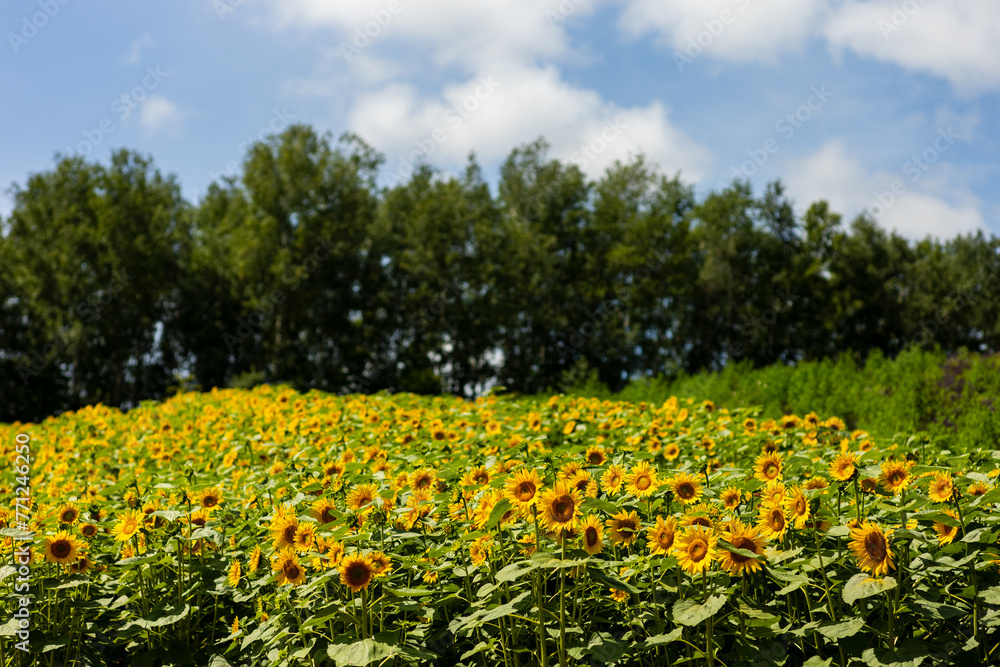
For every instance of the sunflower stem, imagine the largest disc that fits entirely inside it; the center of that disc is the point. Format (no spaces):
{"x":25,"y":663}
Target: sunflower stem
{"x":562,"y":607}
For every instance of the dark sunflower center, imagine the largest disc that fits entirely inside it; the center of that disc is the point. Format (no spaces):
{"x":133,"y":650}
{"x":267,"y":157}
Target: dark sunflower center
{"x":200,"y":522}
{"x":777,"y":520}
{"x":595,"y":459}
{"x":291,"y":570}
{"x":627,"y":527}
{"x":210,"y":501}
{"x":68,"y":516}
{"x":875,"y":547}
{"x":525,"y":491}
{"x":771,"y":470}
{"x":697,"y":550}
{"x":481,"y":478}
{"x":289,"y":533}
{"x":562,"y":509}
{"x":358,"y":574}
{"x":590,"y":535}
{"x":61,"y":548}
{"x":685,"y":491}
{"x":423,"y":482}
{"x":89,"y":531}
{"x":742,"y":543}
{"x":701,"y":521}
{"x":800,"y":506}
{"x":642,"y":482}
{"x":327,"y":516}
{"x":665,"y":539}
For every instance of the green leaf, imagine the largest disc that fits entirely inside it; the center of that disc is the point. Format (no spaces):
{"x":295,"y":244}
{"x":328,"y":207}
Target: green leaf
{"x":660,"y":640}
{"x":688,"y":612}
{"x":218,"y":661}
{"x":991,"y":595}
{"x":499,"y":510}
{"x":167,"y":616}
{"x":592,"y":504}
{"x":361,"y":653}
{"x":746,"y":553}
{"x":842,"y":630}
{"x":817,"y":661}
{"x":515,"y":570}
{"x":863,"y":585}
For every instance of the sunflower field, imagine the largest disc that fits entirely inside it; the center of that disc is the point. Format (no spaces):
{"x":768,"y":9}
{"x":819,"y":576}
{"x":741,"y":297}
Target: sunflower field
{"x":269,"y":527}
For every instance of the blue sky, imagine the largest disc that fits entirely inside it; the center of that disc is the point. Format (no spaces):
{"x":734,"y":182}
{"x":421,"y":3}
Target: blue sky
{"x":885,"y":106}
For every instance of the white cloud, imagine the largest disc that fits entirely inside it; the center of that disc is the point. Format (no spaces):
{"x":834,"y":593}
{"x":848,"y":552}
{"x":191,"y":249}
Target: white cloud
{"x":134,"y":52}
{"x":469,"y":35}
{"x":491,"y":114}
{"x":735,"y":30}
{"x":953,"y":40}
{"x":937,"y":203}
{"x":159,"y":114}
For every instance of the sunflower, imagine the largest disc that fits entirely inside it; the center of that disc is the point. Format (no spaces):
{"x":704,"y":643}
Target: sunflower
{"x":942,"y":488}
{"x":356,"y":572}
{"x":744,"y":537}
{"x":895,"y":476}
{"x":613,"y":478}
{"x":128,"y":525}
{"x":816,"y":482}
{"x":686,"y":488}
{"x":774,"y":493}
{"x":210,"y":498}
{"x":425,"y":478}
{"x":641,"y":480}
{"x":88,"y":530}
{"x":234,"y":574}
{"x":324,"y":511}
{"x":580,"y":481}
{"x":81,"y":566}
{"x":731,"y":497}
{"x":480,"y":549}
{"x":361,"y":496}
{"x":254,"y":561}
{"x":305,"y":537}
{"x":976,"y":489}
{"x":946,"y":533}
{"x":381,"y":564}
{"x":768,"y":467}
{"x":68,"y":513}
{"x":660,"y":536}
{"x":696,"y":549}
{"x":671,"y":451}
{"x":844,"y":466}
{"x":283,"y":529}
{"x":797,"y":507}
{"x":522,"y":488}
{"x":771,"y":521}
{"x":478,"y":476}
{"x":592,"y":533}
{"x":560,"y":507}
{"x":62,"y":548}
{"x":286,"y":564}
{"x":871,"y":548}
{"x":624,"y":527}
{"x":595,"y":456}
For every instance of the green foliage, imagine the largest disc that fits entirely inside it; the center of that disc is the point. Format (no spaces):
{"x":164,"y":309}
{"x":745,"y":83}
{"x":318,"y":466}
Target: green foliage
{"x":304,"y":270}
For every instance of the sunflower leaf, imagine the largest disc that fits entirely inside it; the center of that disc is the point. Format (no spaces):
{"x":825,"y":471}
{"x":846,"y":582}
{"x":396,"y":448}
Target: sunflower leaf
{"x":688,"y":612}
{"x":842,"y":630}
{"x":361,"y":653}
{"x":746,"y":553}
{"x":501,"y":508}
{"x":863,"y":585}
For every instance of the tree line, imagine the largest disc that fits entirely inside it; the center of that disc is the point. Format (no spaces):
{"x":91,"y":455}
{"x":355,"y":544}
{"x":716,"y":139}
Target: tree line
{"x":303,"y":270}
